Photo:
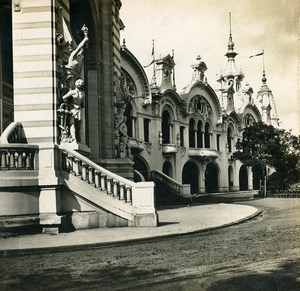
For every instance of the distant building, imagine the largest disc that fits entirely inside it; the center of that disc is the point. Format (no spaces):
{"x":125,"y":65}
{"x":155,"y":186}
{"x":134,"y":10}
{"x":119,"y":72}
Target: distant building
{"x":84,"y":132}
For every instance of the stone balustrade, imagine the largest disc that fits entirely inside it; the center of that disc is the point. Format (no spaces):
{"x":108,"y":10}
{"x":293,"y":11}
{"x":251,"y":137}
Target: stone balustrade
{"x":100,"y":178}
{"x":120,"y":196}
{"x":18,"y":157}
{"x":183,"y":190}
{"x":12,"y":134}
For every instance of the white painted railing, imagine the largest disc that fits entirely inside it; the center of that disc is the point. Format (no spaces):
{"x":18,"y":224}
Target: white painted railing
{"x":176,"y":187}
{"x":139,"y":195}
{"x":12,"y":134}
{"x":18,"y":157}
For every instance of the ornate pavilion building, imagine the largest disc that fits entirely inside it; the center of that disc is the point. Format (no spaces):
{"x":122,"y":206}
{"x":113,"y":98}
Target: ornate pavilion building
{"x":85,"y":134}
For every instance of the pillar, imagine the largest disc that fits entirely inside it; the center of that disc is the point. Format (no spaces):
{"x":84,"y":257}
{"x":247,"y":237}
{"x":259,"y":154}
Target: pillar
{"x":35,"y":94}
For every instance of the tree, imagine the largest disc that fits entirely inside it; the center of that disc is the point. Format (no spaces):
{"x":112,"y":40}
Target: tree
{"x":262,"y":145}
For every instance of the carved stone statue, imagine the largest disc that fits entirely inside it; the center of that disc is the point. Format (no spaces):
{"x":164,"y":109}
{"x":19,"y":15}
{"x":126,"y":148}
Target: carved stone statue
{"x":74,"y":66}
{"x":73,"y":103}
{"x":71,"y":89}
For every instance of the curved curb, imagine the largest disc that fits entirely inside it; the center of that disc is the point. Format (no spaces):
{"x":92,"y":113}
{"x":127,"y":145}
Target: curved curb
{"x":57,"y":249}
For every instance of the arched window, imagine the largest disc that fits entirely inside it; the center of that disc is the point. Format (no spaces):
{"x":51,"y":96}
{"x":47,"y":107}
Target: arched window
{"x":130,"y":120}
{"x":165,"y":127}
{"x":207,"y":135}
{"x":192,"y":133}
{"x":199,"y":135}
{"x":229,"y":139}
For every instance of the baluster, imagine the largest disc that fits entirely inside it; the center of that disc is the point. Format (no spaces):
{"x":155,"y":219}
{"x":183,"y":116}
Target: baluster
{"x":65,"y":162}
{"x":76,"y":162}
{"x":71,"y":164}
{"x":122,"y":192}
{"x":115,"y":194}
{"x":91,"y":175}
{"x":128,"y":194}
{"x":24,"y":160}
{"x":84,"y":172}
{"x":109,"y":190}
{"x":103,"y":182}
{"x":97,"y":179}
{"x":3,"y":160}
{"x":19,"y":160}
{"x":28,"y":161}
{"x":12,"y":163}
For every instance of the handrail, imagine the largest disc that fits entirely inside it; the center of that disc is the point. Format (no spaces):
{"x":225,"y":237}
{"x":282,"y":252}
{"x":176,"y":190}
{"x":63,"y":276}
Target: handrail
{"x":18,"y":156}
{"x":12,"y":134}
{"x":182,"y":189}
{"x":135,"y":199}
{"x":116,"y":186}
{"x":96,"y":166}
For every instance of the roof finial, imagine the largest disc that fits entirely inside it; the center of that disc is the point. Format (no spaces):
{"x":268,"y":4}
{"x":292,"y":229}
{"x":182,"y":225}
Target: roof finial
{"x":264,"y":79}
{"x":174,"y":85}
{"x":230,"y":23}
{"x":230,"y":43}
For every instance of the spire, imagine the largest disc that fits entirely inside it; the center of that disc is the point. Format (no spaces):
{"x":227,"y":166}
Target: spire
{"x":174,"y":85}
{"x":230,"y":53}
{"x":264,"y":79}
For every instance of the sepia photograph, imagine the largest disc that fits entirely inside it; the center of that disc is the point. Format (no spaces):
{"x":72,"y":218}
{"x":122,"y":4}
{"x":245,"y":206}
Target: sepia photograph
{"x":150,"y":145}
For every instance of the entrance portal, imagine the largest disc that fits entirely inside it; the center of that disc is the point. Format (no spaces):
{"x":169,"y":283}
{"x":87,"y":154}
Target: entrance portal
{"x":190,"y":175}
{"x":243,"y":178}
{"x":211,"y":178}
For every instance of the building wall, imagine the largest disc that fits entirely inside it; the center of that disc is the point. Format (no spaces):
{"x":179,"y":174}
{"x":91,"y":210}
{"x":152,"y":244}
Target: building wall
{"x":212,"y":169}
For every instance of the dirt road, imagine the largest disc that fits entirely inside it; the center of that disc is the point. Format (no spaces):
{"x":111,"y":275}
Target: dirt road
{"x":260,"y":254}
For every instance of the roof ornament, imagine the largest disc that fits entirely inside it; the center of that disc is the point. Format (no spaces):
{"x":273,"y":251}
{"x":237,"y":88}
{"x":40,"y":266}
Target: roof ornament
{"x":174,"y":85}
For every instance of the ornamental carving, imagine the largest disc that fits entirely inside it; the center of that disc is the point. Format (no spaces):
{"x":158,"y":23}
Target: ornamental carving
{"x":71,"y":92}
{"x":200,"y":107}
{"x":128,"y":86}
{"x":248,"y":120}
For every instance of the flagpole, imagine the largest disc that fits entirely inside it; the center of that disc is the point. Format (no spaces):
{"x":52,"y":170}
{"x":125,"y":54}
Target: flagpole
{"x":264,"y":60}
{"x":154,"y":69}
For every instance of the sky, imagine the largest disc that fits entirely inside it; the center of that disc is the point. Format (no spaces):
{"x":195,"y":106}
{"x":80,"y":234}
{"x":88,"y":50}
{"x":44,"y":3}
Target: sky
{"x":201,"y":27}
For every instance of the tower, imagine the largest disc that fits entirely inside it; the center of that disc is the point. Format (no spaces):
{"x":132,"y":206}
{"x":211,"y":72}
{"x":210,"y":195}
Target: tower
{"x":231,"y":79}
{"x":266,"y":103}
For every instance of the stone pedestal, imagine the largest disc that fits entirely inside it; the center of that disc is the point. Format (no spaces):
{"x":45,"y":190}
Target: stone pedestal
{"x":48,"y":204}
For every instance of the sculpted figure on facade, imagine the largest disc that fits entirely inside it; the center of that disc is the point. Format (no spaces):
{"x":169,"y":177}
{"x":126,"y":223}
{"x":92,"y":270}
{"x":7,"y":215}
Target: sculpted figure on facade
{"x":71,"y":109}
{"x":71,"y":94}
{"x":75,"y":61}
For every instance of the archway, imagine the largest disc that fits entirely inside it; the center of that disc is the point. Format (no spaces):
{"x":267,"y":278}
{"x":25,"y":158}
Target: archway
{"x":230,"y":178}
{"x":211,"y":178}
{"x":141,"y":166}
{"x":243,"y":178}
{"x":168,"y":169}
{"x":190,"y":175}
{"x":258,"y":177}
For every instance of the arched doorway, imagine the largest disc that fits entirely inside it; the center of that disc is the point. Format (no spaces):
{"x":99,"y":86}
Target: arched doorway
{"x":190,"y":175}
{"x":168,"y":169}
{"x":258,"y":177}
{"x":141,"y":166}
{"x":211,"y":178}
{"x":230,"y":178}
{"x":243,"y":178}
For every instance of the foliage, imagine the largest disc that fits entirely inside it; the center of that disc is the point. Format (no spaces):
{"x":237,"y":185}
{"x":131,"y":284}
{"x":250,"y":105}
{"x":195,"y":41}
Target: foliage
{"x":262,"y":145}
